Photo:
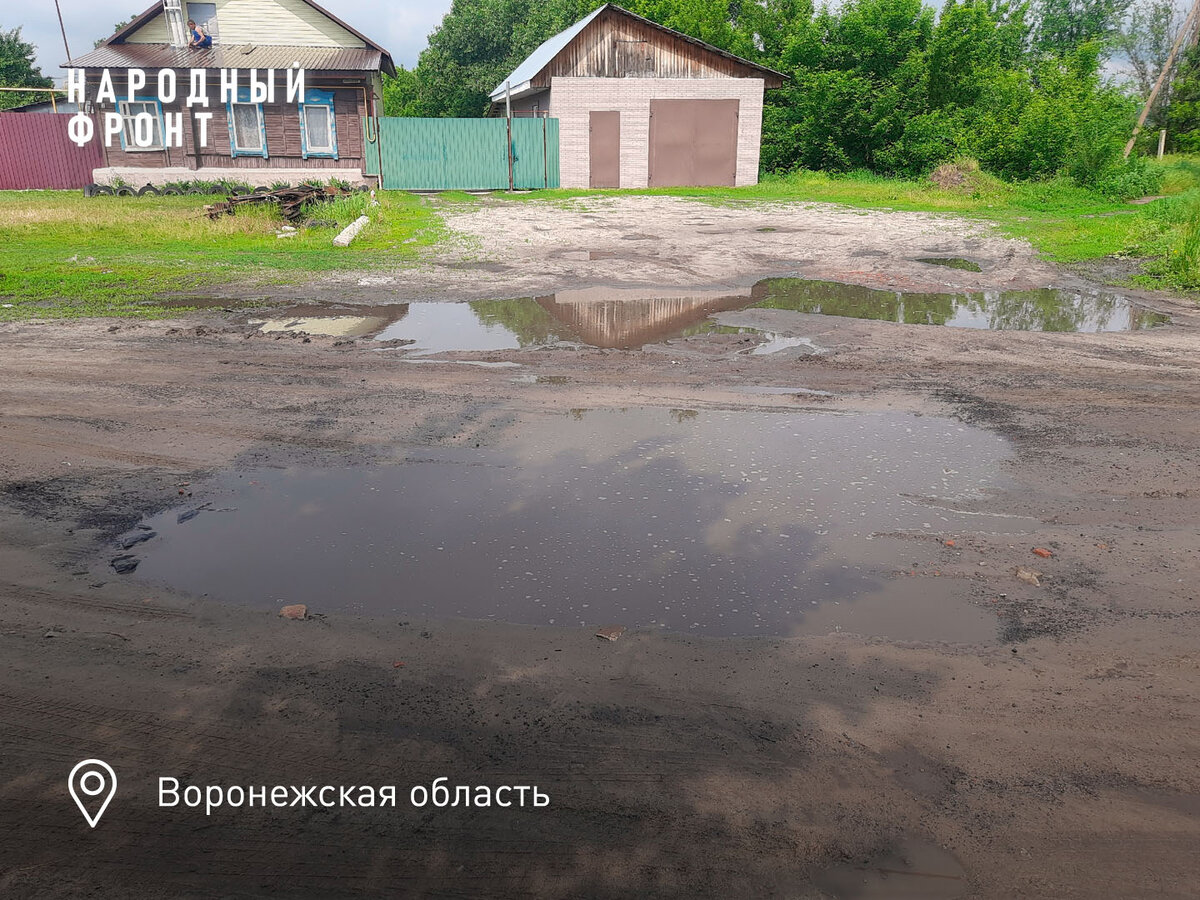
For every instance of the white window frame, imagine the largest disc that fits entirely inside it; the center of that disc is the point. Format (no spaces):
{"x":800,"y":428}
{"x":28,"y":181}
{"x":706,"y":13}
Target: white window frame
{"x":152,"y":105}
{"x":234,"y":148}
{"x":325,"y":99}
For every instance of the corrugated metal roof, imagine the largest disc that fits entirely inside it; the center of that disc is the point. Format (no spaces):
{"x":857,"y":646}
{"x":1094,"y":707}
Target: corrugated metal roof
{"x":540,"y":58}
{"x":139,"y":20}
{"x":242,"y":56}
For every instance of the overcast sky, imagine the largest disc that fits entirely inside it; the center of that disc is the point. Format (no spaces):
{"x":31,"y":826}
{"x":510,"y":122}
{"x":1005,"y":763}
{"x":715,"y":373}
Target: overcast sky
{"x":399,"y":25}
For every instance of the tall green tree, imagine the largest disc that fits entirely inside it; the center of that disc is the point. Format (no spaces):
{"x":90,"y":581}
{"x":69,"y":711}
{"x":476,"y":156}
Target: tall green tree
{"x":1062,"y":26}
{"x":17,"y":69}
{"x":856,"y":76}
{"x":1183,"y":115}
{"x":974,"y":42}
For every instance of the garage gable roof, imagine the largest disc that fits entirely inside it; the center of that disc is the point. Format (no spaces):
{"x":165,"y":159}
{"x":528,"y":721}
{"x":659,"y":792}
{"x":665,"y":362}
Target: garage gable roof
{"x":520,"y":78}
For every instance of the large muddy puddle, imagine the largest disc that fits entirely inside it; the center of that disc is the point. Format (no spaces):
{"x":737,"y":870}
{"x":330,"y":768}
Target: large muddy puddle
{"x":713,"y":522}
{"x":1045,"y":309}
{"x":626,"y":318}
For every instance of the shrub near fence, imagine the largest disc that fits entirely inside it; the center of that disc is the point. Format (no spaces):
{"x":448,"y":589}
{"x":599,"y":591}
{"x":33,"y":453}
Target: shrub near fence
{"x":36,"y":153}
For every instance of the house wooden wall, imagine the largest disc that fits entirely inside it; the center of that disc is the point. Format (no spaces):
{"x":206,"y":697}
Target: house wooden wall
{"x":616,"y":46}
{"x":282,"y":122}
{"x":283,"y":23}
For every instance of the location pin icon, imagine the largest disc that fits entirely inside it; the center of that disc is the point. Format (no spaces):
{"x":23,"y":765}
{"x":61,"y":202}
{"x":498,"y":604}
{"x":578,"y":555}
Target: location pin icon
{"x":92,"y":784}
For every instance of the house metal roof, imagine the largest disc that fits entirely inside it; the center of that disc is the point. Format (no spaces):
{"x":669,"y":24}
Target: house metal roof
{"x":383,"y":59}
{"x":164,"y":56}
{"x":542,"y":56}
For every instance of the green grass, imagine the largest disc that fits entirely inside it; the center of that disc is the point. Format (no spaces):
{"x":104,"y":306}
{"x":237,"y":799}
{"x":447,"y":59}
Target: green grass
{"x":63,"y":255}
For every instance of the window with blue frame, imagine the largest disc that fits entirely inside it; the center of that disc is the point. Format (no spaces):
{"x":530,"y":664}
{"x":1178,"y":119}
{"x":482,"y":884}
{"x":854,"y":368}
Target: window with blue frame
{"x":247,"y":128}
{"x":130,"y":110}
{"x":318,"y":127}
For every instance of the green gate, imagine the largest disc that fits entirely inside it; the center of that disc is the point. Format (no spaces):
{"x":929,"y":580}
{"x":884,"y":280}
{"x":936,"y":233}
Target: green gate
{"x":462,"y":154}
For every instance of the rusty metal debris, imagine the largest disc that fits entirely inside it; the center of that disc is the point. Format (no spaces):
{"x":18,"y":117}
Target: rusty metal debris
{"x":292,"y":200}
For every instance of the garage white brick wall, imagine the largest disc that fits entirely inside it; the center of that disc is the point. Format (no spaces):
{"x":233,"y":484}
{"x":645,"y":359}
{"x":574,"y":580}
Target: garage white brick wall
{"x":572,"y":99}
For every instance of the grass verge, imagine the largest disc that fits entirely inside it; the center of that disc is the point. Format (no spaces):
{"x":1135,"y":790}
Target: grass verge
{"x":63,"y":255}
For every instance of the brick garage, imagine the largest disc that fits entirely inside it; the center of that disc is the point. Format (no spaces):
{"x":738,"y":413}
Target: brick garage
{"x":576,"y":98}
{"x":640,"y":105}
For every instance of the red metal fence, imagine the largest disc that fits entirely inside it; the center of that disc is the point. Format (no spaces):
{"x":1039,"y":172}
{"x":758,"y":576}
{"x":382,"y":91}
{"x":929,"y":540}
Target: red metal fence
{"x":36,"y":153}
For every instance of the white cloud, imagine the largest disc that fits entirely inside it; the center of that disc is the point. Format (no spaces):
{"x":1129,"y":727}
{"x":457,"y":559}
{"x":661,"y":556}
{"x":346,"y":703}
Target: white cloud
{"x":402,"y":26}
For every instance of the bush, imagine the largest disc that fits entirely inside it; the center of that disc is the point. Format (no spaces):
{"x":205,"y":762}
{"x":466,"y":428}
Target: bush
{"x":1134,"y":177}
{"x":928,"y":141}
{"x":1183,"y":259}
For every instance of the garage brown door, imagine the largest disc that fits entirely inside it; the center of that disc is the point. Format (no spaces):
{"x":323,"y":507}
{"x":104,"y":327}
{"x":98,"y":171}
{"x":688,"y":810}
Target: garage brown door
{"x":604,"y":149}
{"x":693,"y":142}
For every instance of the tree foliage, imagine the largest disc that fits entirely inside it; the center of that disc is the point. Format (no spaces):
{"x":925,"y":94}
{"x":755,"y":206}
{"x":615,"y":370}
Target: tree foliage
{"x":17,"y":69}
{"x":1183,"y":115}
{"x":1063,"y":25}
{"x":116,"y":27}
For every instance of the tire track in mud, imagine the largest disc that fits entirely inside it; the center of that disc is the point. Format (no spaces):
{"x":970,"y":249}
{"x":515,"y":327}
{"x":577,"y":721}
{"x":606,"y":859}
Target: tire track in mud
{"x":22,"y":593}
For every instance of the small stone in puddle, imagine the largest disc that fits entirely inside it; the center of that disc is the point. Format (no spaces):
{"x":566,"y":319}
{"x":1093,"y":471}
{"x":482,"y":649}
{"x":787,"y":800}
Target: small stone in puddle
{"x":124,"y":564}
{"x":610,"y":632}
{"x":131,"y":540}
{"x":295,"y":611}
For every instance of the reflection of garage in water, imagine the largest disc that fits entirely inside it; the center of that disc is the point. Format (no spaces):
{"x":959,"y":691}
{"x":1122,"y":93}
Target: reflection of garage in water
{"x":640,"y":105}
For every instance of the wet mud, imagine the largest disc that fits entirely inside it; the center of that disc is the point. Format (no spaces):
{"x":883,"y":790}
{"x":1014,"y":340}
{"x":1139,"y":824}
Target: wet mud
{"x":960,"y":717}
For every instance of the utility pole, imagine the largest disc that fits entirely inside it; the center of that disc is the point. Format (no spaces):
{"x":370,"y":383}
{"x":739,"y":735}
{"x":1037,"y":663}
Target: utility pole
{"x":63,"y":29}
{"x":1187,"y":32}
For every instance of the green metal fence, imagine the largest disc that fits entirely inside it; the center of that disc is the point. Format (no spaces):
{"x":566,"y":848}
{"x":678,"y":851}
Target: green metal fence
{"x":462,"y":154}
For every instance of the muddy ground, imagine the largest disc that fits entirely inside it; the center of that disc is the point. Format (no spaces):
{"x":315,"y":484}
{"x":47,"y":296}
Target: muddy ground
{"x":1060,"y":760}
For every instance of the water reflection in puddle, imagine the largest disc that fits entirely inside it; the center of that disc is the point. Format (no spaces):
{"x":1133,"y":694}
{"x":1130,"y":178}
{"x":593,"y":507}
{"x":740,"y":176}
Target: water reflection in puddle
{"x":599,"y":317}
{"x":324,"y":325}
{"x":1046,"y":309}
{"x":627,"y":318}
{"x":724,"y":523}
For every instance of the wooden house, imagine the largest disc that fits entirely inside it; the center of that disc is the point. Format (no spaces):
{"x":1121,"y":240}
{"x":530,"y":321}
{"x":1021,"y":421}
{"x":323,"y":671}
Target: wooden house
{"x":258,"y":143}
{"x":641,"y":105}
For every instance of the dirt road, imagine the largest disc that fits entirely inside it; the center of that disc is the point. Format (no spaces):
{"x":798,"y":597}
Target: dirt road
{"x":1060,"y":759}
